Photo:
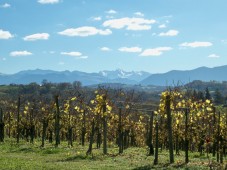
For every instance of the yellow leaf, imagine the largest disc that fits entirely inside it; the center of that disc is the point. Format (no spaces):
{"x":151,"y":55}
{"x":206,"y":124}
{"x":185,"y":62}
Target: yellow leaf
{"x":209,"y":109}
{"x":179,"y":104}
{"x":141,"y":117}
{"x":105,"y":114}
{"x":208,"y":101}
{"x":109,"y":107}
{"x":74,"y":98}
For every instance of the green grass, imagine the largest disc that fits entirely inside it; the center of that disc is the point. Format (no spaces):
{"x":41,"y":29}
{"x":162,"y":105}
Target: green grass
{"x":26,"y":156}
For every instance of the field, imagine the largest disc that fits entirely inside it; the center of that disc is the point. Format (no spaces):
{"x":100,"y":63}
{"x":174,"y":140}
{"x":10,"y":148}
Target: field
{"x":122,"y":123}
{"x":28,"y":156}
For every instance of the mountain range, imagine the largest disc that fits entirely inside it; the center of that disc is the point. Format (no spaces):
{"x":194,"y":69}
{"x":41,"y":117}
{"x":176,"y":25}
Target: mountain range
{"x":117,"y":76}
{"x":174,"y":77}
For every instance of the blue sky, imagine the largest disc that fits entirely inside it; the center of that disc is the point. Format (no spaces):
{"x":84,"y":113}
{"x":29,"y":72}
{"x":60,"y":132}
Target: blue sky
{"x":94,"y":35}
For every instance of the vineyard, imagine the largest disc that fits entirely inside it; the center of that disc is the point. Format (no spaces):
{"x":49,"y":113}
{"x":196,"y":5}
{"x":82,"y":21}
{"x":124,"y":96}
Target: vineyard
{"x":114,"y":124}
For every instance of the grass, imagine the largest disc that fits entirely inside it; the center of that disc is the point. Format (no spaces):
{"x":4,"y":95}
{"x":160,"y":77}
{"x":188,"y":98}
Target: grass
{"x":26,"y":156}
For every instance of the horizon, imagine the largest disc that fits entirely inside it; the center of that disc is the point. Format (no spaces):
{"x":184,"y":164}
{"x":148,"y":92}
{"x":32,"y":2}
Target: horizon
{"x":108,"y":70}
{"x":92,"y":36}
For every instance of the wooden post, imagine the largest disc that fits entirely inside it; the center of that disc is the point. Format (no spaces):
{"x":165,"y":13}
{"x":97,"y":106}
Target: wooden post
{"x":214,"y":141}
{"x":32,"y":126}
{"x":18,"y":120}
{"x":89,"y":151}
{"x":45,"y":125}
{"x":9,"y":122}
{"x":151,"y":148}
{"x":169,"y":125}
{"x":186,"y":136}
{"x":104,"y":126}
{"x":83,"y":128}
{"x":222,"y":150}
{"x":70,"y":136}
{"x":57,"y":123}
{"x":2,"y":125}
{"x":156,"y":144}
{"x":177,"y":141}
{"x":70,"y":129}
{"x":120,"y":134}
{"x":218,"y":136}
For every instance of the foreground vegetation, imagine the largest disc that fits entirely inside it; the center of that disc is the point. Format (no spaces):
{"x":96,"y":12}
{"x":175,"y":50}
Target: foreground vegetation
{"x":67,"y":126}
{"x":31,"y":156}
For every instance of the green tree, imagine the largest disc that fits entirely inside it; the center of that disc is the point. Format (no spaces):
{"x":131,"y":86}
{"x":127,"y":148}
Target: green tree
{"x":218,"y":98}
{"x":200,"y":96}
{"x":207,"y":94}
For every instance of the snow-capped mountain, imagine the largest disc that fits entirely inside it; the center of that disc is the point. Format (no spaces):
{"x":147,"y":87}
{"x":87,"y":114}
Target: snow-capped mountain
{"x":121,"y":74}
{"x":29,"y":76}
{"x":117,"y":76}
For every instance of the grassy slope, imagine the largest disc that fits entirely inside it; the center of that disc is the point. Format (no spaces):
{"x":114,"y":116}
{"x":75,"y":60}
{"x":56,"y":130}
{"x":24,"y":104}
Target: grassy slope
{"x":26,"y":156}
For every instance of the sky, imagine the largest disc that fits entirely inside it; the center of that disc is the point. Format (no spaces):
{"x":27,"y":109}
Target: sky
{"x":94,"y":35}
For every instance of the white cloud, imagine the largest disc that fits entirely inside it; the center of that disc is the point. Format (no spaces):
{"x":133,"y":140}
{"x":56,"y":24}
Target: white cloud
{"x":6,"y":5}
{"x":84,"y":31}
{"x":139,"y":14}
{"x":105,"y":49}
{"x":38,"y":36}
{"x":73,"y":54}
{"x":3,"y":59}
{"x":213,"y":56}
{"x":20,"y":53}
{"x":5,"y":34}
{"x":130,"y":23}
{"x":97,"y":18}
{"x":48,"y":1}
{"x":111,"y":11}
{"x":83,"y":57}
{"x":105,"y":32}
{"x":196,"y":44}
{"x":76,"y":54}
{"x":162,"y":26}
{"x":135,"y":27}
{"x":169,"y":33}
{"x":155,"y":51}
{"x":130,"y":49}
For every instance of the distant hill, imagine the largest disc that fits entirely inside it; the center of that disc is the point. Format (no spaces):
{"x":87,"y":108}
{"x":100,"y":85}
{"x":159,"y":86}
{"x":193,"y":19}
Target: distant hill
{"x":176,"y":77}
{"x":170,"y":78}
{"x":29,"y":76}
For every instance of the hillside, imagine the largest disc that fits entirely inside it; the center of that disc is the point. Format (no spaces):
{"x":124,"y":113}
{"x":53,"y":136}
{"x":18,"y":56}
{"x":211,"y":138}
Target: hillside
{"x":177,"y":77}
